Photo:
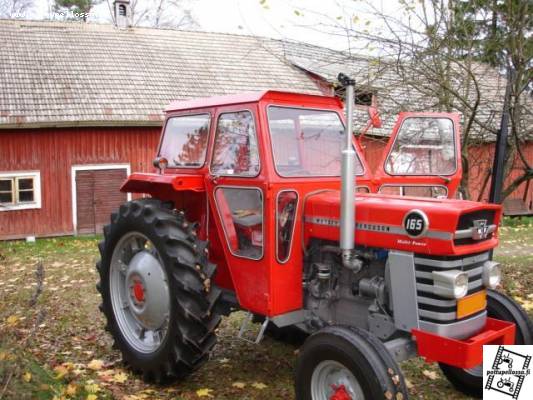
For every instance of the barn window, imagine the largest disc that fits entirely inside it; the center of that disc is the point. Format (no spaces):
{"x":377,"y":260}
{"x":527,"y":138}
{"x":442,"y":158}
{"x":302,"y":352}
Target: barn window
{"x":363,"y":98}
{"x":20,"y":191}
{"x":122,"y":10}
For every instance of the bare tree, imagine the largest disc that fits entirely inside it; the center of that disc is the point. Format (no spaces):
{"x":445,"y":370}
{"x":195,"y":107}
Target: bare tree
{"x":14,"y":8}
{"x":451,"y":55}
{"x":163,"y":14}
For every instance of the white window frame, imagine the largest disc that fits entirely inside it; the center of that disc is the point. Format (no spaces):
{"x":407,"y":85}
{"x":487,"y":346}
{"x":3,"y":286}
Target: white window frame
{"x":90,"y":167}
{"x":36,"y":203}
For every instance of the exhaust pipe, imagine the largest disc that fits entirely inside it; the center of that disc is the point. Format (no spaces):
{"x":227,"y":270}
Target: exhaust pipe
{"x":347,"y":222}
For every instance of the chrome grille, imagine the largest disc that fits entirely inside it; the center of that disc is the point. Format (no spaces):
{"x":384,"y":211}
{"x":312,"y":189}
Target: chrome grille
{"x":433,"y":308}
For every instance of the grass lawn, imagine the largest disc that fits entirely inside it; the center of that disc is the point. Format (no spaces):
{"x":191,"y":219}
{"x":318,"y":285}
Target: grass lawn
{"x":53,"y":345}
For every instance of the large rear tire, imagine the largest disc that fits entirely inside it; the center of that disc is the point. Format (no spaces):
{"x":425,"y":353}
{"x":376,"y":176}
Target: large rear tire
{"x":344,"y":362}
{"x":157,"y":291}
{"x":499,"y":306}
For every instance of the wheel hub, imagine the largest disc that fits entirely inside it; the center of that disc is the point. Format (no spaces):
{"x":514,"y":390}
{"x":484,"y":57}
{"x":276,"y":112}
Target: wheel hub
{"x":149,"y":294}
{"x":137,"y":291}
{"x":340,"y":393}
{"x":333,"y":381}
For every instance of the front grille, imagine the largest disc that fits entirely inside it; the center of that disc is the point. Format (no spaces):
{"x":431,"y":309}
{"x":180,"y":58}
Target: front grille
{"x":433,"y":308}
{"x":466,"y":221}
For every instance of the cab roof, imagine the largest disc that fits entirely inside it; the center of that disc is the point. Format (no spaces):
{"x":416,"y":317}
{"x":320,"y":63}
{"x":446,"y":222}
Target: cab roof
{"x":298,"y":99}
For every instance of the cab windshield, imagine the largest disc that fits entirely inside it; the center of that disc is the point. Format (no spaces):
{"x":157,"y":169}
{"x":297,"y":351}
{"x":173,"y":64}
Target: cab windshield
{"x":307,"y":142}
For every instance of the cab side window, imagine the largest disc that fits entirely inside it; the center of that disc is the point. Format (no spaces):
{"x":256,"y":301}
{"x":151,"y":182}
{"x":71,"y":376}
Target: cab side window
{"x":241,"y":212}
{"x":423,"y":146}
{"x":235,"y":151}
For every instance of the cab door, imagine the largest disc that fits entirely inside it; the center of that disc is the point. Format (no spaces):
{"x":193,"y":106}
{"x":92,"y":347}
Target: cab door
{"x":422,"y":157}
{"x":236,"y":188}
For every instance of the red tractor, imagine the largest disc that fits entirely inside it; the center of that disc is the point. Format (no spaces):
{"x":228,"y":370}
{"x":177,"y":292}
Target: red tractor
{"x":374,"y":273}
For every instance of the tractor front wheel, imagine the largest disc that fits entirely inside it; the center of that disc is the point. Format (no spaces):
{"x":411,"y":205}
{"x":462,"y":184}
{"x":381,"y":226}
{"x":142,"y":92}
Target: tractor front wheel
{"x":499,"y":306}
{"x":345,"y":363}
{"x":155,"y":282}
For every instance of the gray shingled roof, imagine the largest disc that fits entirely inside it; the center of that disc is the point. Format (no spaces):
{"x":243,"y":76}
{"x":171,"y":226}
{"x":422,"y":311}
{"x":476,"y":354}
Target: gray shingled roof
{"x":76,"y":74}
{"x":61,"y":74}
{"x":394,"y":95}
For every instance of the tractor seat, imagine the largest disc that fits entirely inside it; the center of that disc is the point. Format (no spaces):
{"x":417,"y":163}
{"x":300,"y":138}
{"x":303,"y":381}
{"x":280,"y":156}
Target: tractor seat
{"x":247,"y":219}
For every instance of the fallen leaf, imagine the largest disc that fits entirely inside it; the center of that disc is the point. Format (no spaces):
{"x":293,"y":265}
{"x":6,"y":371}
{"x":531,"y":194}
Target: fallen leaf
{"x":259,"y":385}
{"x":71,"y":389}
{"x":60,"y":371}
{"x":204,"y":392}
{"x":95,"y":365}
{"x":26,"y":377}
{"x":92,"y":388}
{"x":12,"y":320}
{"x":409,"y":384}
{"x":91,"y":397}
{"x":430,"y":374}
{"x":121,"y":377}
{"x":238,"y":385}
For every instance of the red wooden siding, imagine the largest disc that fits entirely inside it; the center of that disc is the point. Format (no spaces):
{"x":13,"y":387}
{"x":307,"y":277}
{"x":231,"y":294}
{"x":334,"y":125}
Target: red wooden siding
{"x":54,"y":152}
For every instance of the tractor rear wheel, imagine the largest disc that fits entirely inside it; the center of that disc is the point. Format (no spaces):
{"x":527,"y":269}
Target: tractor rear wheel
{"x":343,"y":363}
{"x":155,"y":282}
{"x":499,"y":306}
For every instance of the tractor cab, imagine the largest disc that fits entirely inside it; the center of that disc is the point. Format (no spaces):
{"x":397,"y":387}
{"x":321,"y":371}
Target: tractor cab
{"x":258,"y":157}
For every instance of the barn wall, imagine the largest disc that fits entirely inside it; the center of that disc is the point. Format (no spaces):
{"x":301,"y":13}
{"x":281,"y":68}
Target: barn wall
{"x":53,"y":152}
{"x":481,"y":158}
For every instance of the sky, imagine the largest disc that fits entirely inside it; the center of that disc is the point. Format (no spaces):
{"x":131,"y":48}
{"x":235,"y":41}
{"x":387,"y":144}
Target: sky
{"x":319,"y":22}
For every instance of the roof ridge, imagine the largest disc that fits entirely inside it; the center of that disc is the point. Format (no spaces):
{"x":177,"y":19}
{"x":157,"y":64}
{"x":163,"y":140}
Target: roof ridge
{"x":95,"y":26}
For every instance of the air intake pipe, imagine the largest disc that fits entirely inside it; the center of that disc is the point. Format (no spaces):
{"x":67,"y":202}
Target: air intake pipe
{"x":347,"y":222}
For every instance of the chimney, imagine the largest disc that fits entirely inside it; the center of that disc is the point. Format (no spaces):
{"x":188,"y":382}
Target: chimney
{"x":122,"y":13}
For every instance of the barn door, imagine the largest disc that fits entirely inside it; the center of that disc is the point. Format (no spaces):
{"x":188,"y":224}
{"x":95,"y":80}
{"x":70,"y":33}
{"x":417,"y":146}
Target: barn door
{"x":97,"y":196}
{"x":422,"y":157}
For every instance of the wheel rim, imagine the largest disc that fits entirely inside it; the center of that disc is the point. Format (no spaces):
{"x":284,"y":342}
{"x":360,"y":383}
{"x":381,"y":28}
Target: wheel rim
{"x":333,"y":381}
{"x":476,"y":371}
{"x":140,"y":294}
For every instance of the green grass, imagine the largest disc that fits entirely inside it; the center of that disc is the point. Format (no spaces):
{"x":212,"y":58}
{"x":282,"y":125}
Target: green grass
{"x":517,"y":222}
{"x":64,"y":330}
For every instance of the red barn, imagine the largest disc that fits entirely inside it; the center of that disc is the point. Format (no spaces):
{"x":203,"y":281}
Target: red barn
{"x":80,"y":108}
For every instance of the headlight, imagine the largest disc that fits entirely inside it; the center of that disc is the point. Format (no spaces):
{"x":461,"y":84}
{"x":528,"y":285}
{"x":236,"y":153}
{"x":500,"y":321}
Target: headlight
{"x":451,"y":284}
{"x":492,"y":274}
{"x":461,"y":285}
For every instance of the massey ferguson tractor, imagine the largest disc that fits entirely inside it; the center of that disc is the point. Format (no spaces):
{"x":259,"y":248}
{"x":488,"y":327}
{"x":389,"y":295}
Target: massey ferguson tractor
{"x":264,"y":202}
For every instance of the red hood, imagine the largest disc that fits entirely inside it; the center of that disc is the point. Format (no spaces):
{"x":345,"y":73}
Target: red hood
{"x":380,"y":222}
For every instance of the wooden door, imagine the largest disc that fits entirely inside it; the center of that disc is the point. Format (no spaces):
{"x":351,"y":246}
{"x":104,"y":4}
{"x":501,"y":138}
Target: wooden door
{"x":97,"y":196}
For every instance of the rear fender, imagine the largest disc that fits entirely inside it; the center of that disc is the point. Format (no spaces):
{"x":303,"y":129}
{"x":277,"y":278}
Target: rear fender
{"x":163,"y":186}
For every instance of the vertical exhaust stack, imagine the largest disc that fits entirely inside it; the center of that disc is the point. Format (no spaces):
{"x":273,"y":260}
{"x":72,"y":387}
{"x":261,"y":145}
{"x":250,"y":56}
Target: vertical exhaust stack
{"x":347,"y":222}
